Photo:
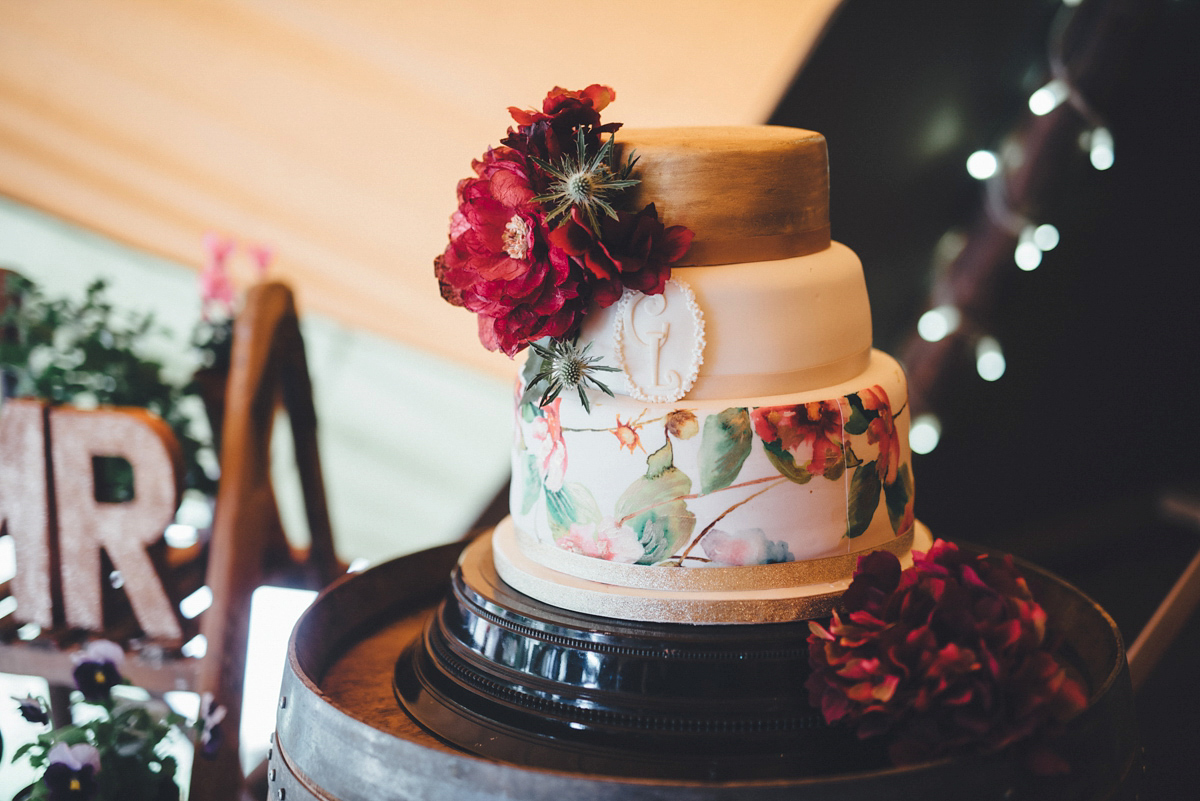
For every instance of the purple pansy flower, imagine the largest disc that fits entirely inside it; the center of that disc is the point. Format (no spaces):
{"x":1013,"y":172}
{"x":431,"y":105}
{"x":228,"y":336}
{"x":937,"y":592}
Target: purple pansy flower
{"x":72,"y":772}
{"x":33,"y":709}
{"x":97,"y":669}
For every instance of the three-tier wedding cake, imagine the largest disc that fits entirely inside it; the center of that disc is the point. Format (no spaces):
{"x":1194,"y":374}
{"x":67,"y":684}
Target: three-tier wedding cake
{"x":755,"y":444}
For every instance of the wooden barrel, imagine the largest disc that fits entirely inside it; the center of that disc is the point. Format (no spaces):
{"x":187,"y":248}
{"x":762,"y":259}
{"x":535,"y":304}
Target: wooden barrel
{"x":342,"y":736}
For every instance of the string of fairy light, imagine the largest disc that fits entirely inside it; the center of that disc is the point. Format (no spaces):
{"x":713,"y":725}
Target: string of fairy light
{"x":1033,"y":238}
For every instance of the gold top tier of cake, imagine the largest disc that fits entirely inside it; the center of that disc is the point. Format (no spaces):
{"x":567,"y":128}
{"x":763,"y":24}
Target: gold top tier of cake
{"x":749,"y":193}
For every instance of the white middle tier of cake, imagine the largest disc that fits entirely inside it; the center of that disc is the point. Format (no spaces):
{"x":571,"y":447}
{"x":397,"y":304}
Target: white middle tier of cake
{"x":768,"y":327}
{"x":632,"y":489}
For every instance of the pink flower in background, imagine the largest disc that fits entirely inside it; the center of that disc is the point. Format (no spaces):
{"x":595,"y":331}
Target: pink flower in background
{"x":604,"y":540}
{"x":548,"y":446}
{"x":216,"y":290}
{"x":262,"y":256}
{"x":812,"y":432}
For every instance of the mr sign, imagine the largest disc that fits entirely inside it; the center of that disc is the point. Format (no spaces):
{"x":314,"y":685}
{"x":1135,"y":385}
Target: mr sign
{"x":48,"y":503}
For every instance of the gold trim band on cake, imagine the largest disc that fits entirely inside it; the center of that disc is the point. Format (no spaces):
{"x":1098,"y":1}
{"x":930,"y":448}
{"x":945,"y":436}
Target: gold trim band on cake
{"x":825,"y":570}
{"x":821,"y":375}
{"x":758,"y":605}
{"x":622,"y":603}
{"x":710,"y":252}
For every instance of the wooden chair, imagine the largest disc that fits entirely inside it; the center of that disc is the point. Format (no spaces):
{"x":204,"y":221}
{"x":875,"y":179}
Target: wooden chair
{"x":267,"y":366}
{"x":247,"y":547}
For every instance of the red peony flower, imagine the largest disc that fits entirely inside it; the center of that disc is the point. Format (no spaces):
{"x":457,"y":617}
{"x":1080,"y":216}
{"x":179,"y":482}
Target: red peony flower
{"x":811,"y":431}
{"x":948,"y":656}
{"x":634,"y":251}
{"x":527,"y":276}
{"x":499,"y":263}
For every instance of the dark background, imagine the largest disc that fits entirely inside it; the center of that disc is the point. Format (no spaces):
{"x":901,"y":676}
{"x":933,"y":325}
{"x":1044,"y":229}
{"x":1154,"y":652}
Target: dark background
{"x":1072,"y":458}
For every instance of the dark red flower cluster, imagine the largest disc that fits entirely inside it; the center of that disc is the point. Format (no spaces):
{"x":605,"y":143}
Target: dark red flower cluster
{"x":524,"y":278}
{"x":948,"y":656}
{"x":634,"y":251}
{"x":550,"y":133}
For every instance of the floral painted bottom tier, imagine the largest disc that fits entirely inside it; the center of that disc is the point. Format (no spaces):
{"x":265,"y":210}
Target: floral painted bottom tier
{"x":649,"y":495}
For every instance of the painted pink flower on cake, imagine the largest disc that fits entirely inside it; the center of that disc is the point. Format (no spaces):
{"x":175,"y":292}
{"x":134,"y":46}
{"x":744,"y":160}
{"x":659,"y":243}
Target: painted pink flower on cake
{"x":804,"y":440}
{"x":548,"y":446}
{"x":744,"y":547}
{"x":605,"y":540}
{"x":882,"y":432}
{"x":869,"y":412}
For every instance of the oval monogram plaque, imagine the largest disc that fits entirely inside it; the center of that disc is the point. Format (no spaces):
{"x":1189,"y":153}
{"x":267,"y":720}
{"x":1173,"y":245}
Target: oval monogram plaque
{"x":659,"y":342}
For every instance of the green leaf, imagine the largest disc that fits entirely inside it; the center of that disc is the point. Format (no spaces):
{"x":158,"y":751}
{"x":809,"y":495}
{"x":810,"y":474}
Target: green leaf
{"x":574,"y":503}
{"x":71,"y":735}
{"x":834,"y":471}
{"x":23,"y":750}
{"x":860,"y":417}
{"x":724,"y":447}
{"x":785,"y":463}
{"x":863,"y":499}
{"x":897,"y":495}
{"x":531,"y":482}
{"x":660,"y":461}
{"x":657,"y":511}
{"x":852,"y":460}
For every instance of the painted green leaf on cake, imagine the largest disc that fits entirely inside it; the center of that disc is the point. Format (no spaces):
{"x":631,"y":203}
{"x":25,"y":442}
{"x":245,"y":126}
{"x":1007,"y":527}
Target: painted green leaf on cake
{"x":529,"y":411}
{"x":862,"y":499}
{"x":785,"y":463}
{"x":654,"y":507}
{"x":860,"y":417}
{"x":660,"y":461}
{"x":898,"y":495}
{"x":834,"y":471}
{"x":574,"y":503}
{"x":724,"y":447}
{"x":531,"y":482}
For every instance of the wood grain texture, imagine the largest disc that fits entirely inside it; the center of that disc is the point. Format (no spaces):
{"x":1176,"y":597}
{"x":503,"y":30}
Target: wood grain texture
{"x":360,"y":682}
{"x":748,"y":193}
{"x":248,"y":547}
